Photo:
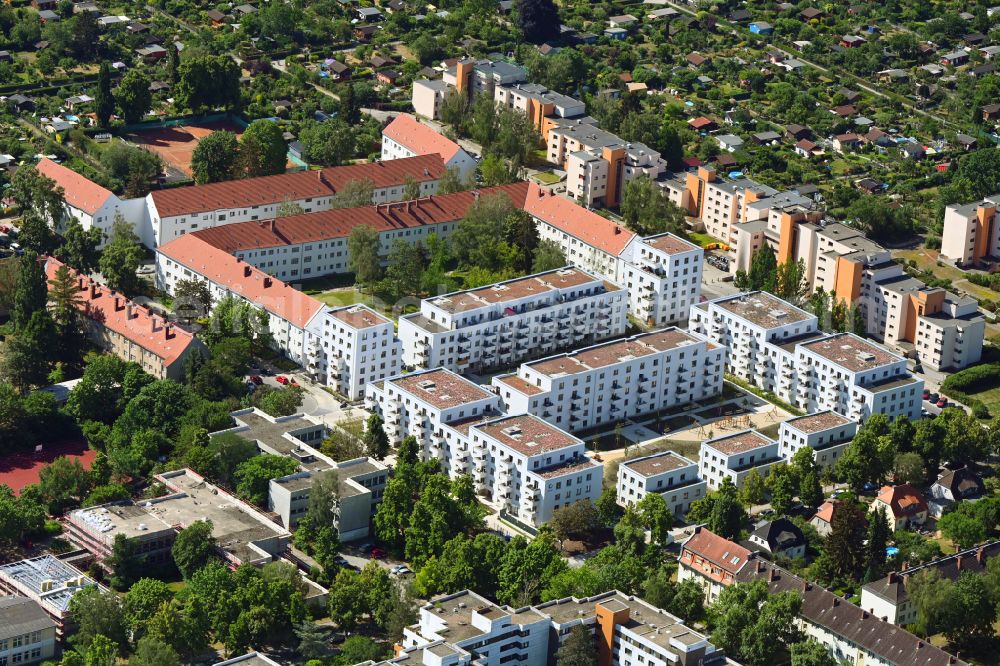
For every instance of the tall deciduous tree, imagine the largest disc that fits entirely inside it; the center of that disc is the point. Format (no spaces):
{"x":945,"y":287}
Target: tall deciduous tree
{"x":375,"y":440}
{"x":133,"y":96}
{"x":79,"y":248}
{"x":31,"y":290}
{"x":538,"y":20}
{"x":121,"y":257}
{"x":363,"y":254}
{"x":263,"y":150}
{"x":214,"y":158}
{"x":578,"y":649}
{"x":208,"y":82}
{"x":750,"y":623}
{"x":40,"y":203}
{"x":104,"y":101}
{"x":193,"y":547}
{"x":647,"y":210}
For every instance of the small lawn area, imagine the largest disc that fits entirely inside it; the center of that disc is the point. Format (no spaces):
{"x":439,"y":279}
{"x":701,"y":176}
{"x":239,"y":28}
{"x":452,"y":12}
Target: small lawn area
{"x":703,"y":240}
{"x":546,"y":178}
{"x":341,"y":297}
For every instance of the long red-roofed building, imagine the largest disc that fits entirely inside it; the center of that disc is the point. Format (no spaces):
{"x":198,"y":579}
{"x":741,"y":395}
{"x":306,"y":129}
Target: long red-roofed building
{"x":406,"y":136}
{"x":128,"y":330}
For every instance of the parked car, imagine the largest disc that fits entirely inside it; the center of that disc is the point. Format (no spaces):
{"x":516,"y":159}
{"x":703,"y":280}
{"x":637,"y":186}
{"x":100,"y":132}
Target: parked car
{"x":281,"y":379}
{"x":400,"y":570}
{"x":927,"y":394}
{"x":942,"y":402}
{"x":256,"y":379}
{"x":933,"y":398}
{"x":378,"y":554}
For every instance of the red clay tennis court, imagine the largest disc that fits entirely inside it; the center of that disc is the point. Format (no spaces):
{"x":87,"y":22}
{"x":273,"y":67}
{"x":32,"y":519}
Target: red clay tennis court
{"x":21,"y":469}
{"x":175,"y":145}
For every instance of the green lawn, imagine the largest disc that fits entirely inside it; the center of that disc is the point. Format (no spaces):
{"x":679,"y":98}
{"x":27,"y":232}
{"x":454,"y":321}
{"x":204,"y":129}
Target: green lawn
{"x":546,"y":178}
{"x":340,"y":297}
{"x":704,"y":240}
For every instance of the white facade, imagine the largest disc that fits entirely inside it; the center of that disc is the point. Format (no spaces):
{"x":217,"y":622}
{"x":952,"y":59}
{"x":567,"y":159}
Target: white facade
{"x":778,"y":348}
{"x":617,"y":380}
{"x":827,"y":433}
{"x":407,"y":137}
{"x":970,"y":231}
{"x":355,"y":346}
{"x":733,"y":456}
{"x":663,"y":276}
{"x":512,"y":321}
{"x":670,"y":474}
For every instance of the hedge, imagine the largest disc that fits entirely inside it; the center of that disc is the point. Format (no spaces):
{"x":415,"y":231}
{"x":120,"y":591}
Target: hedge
{"x":977,"y":378}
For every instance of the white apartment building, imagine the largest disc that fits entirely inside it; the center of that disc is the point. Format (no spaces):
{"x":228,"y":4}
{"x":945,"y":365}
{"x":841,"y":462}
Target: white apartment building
{"x":531,"y":468}
{"x":344,"y":348}
{"x":465,"y":628}
{"x":662,"y":273}
{"x":615,"y":380}
{"x":27,"y":633}
{"x":511,"y":321}
{"x":827,"y":433}
{"x":670,"y":474}
{"x":733,"y":456}
{"x":405,"y":137}
{"x":778,"y":348}
{"x":971,"y":233}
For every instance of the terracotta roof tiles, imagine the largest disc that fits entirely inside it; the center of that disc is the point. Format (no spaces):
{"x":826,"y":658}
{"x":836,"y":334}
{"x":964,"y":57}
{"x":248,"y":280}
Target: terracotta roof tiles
{"x":78,"y":191}
{"x":577,"y":221}
{"x":410,"y":133}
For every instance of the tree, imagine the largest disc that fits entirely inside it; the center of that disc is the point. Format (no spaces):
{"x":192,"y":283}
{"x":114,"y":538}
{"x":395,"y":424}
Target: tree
{"x":538,"y":20}
{"x":909,"y":467}
{"x":354,"y":194}
{"x":964,"y":529}
{"x":405,"y":267}
{"x":972,"y":612}
{"x":750,"y":624}
{"x":98,"y":614}
{"x":79,"y":248}
{"x":521,"y":233}
{"x":811,"y":653}
{"x":752,"y":492}
{"x":375,"y":440}
{"x":312,"y":639}
{"x":63,"y":482}
{"x":878,"y":537}
{"x":125,"y":561}
{"x":64,"y":295}
{"x":263,"y":150}
{"x":451,"y":179}
{"x":790,"y":281}
{"x":150,"y":651}
{"x":578,"y":520}
{"x":40,"y":203}
{"x":26,"y":359}
{"x":133,"y":96}
{"x":844,"y":545}
{"x":254,"y":475}
{"x":548,"y":256}
{"x":931,"y":597}
{"x":727,"y":515}
{"x":323,"y":497}
{"x":361,"y":649}
{"x":864,"y":459}
{"x":102,"y":651}
{"x":329,"y":143}
{"x":781,"y":483}
{"x":192,"y":299}
{"x":655,"y":516}
{"x":214,"y":158}
{"x":208,"y":82}
{"x":363,"y":254}
{"x":193,"y":547}
{"x":142,"y":601}
{"x":121,"y":257}
{"x":31,"y":291}
{"x":136,"y":168}
{"x":763,"y":274}
{"x":647,"y":210}
{"x":104,"y":102}
{"x":578,"y":649}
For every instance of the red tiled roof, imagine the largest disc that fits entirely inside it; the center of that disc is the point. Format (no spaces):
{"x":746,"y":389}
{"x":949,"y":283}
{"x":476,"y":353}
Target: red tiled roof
{"x":577,"y":221}
{"x":825,"y":511}
{"x":902,"y":500}
{"x":700,"y":122}
{"x":117,"y":313}
{"x":337,"y":223}
{"x":242,"y":279}
{"x":725,"y":554}
{"x":78,"y":191}
{"x":407,"y":131}
{"x":299,"y":185}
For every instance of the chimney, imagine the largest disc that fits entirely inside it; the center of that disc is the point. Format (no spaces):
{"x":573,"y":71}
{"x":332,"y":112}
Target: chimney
{"x":169,"y":332}
{"x":152,"y":324}
{"x":80,"y":280}
{"x":267,"y":282}
{"x":129,"y":311}
{"x":980,"y":554}
{"x":618,"y":230}
{"x":271,"y":226}
{"x":760,"y":566}
{"x":958,"y":563}
{"x":920,"y":644}
{"x":93,"y":290}
{"x":770,"y":575}
{"x":836,"y":601}
{"x":118,"y":304}
{"x":893,"y":578}
{"x":246,"y":271}
{"x":864,"y":615}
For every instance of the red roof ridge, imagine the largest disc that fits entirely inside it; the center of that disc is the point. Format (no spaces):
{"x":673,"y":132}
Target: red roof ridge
{"x":409,"y":132}
{"x":575,"y":220}
{"x":78,"y":190}
{"x":242,"y":279}
{"x":135,"y":322}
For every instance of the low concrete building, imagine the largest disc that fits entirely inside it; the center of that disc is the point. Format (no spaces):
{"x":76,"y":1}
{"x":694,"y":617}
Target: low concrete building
{"x":27,"y":633}
{"x":48,"y":581}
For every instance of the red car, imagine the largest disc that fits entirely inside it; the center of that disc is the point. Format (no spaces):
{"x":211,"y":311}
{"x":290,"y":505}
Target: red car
{"x":292,"y":382}
{"x":943,"y":402}
{"x":378,"y":554}
{"x":927,"y":393}
{"x":281,"y":379}
{"x":256,"y":379}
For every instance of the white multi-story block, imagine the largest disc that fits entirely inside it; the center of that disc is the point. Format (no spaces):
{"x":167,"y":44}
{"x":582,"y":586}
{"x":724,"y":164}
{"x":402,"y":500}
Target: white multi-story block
{"x":511,"y":321}
{"x":531,"y":468}
{"x":826,"y":433}
{"x":356,"y":345}
{"x":733,"y":456}
{"x":670,"y":474}
{"x":422,"y":403}
{"x":405,"y":137}
{"x":971,"y":233}
{"x":779,"y":348}
{"x":617,"y":380}
{"x":663,"y":277}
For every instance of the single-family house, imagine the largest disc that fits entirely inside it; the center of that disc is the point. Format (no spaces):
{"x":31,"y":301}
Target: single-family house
{"x":806,"y":148}
{"x":852,"y":41}
{"x":766,"y":138}
{"x":957,"y":485}
{"x":847,"y":142}
{"x":904,"y":506}
{"x":780,"y":538}
{"x":912,"y":150}
{"x":955,"y":58}
{"x":702,"y":124}
{"x":822,"y":520}
{"x":387,"y":77}
{"x":729,"y":142}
